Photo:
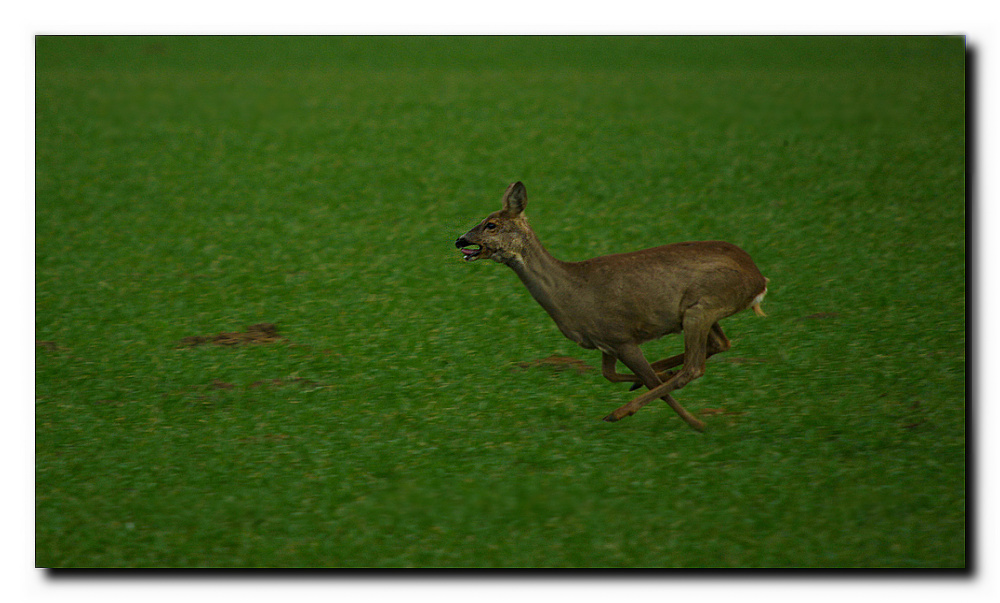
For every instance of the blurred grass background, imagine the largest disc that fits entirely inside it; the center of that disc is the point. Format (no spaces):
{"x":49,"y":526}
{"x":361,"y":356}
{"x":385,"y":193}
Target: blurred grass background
{"x":187,"y":186}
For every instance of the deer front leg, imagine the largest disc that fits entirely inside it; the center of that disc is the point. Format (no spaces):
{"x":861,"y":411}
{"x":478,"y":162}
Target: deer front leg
{"x":717,"y":342}
{"x":633,"y":358}
{"x":608,"y":363}
{"x":699,"y":334}
{"x":659,"y":391}
{"x":661,"y":366}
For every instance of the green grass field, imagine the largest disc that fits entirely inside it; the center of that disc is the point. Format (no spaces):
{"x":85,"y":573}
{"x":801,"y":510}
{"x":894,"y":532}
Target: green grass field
{"x":191,"y":186}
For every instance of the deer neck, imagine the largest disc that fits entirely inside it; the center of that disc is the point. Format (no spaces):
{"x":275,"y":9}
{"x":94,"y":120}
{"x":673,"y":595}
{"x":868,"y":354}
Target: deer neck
{"x":546,"y":278}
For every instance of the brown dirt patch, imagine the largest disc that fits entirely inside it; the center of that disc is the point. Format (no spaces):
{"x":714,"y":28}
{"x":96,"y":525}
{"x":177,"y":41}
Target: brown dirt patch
{"x":556,"y":363}
{"x":264,"y":332}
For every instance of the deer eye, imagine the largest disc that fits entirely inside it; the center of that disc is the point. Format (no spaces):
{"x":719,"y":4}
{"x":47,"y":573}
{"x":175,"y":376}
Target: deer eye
{"x":490,"y":225}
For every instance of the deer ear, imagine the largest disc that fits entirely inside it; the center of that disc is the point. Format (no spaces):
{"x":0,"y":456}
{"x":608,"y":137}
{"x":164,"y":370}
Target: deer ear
{"x":515,"y":199}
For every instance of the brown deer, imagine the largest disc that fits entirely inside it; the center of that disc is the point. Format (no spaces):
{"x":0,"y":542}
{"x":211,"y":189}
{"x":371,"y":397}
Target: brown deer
{"x":615,"y":303}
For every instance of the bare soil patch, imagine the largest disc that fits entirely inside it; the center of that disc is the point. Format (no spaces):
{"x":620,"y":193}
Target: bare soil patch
{"x":556,"y":363}
{"x":264,"y":332}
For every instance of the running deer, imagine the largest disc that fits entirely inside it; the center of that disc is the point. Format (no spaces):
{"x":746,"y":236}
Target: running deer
{"x":615,"y":303}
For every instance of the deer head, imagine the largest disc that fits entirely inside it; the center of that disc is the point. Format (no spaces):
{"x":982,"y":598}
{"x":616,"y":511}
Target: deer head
{"x":503,"y":235}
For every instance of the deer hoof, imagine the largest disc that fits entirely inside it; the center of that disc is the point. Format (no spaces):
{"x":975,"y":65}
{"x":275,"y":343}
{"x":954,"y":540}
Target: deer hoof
{"x":635,"y":386}
{"x":619,"y":414}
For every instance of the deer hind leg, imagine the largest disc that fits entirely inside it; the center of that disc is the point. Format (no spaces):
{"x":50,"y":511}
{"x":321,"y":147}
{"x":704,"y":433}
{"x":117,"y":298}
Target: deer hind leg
{"x":633,"y":358}
{"x":717,"y":342}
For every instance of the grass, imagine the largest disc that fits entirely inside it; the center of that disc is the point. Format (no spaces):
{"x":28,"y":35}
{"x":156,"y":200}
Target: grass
{"x":195,"y":185}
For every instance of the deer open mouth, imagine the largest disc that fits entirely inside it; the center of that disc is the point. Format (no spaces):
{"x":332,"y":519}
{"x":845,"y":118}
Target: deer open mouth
{"x":471,"y":252}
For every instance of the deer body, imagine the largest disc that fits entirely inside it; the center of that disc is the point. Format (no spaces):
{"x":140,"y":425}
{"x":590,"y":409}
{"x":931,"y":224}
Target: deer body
{"x":615,"y":303}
